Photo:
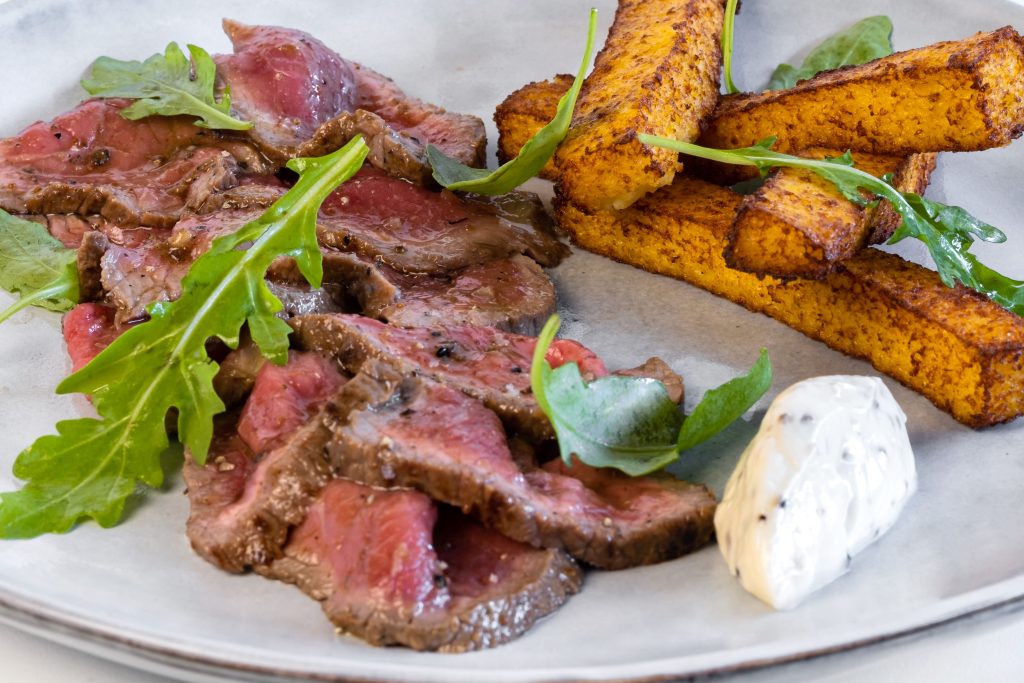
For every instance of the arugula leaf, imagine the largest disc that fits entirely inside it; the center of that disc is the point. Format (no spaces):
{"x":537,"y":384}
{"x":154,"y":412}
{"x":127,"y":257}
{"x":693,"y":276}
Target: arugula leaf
{"x":36,"y":265}
{"x":866,"y":40}
{"x":91,"y":466}
{"x":728,"y":33}
{"x":723,"y":405}
{"x":532,"y":157}
{"x":167,"y":84}
{"x":630,"y":423}
{"x":947,"y":231}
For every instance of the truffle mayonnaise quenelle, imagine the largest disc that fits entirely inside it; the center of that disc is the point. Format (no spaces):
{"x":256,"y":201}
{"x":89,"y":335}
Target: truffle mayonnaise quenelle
{"x":828,"y":472}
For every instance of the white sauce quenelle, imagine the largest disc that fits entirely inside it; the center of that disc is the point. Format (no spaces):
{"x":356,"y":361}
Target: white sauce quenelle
{"x":828,"y":472}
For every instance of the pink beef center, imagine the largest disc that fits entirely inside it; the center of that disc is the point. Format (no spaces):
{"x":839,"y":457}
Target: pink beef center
{"x":285,"y":397}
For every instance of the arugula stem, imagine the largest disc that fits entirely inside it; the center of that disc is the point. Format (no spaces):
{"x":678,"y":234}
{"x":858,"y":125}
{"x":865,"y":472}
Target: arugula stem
{"x":540,"y":351}
{"x":728,"y":32}
{"x":49,"y":292}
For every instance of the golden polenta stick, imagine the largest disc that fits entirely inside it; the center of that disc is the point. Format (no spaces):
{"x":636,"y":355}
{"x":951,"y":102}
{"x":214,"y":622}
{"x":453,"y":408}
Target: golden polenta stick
{"x":953,"y":96}
{"x":799,"y":225}
{"x":958,"y":348}
{"x":525,"y":112}
{"x":657,"y":73}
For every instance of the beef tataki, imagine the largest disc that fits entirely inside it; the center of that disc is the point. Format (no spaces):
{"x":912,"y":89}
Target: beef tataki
{"x":388,"y":568}
{"x":415,"y":230}
{"x":263,"y":470}
{"x":91,"y":160}
{"x":286,"y":82}
{"x":460,"y":136}
{"x":440,"y":441}
{"x":483,"y":362}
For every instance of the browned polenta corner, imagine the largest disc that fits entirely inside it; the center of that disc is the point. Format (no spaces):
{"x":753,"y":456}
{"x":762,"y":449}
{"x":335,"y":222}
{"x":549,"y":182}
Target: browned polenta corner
{"x":526,"y":111}
{"x":912,"y":175}
{"x":955,"y":96}
{"x":956,"y":347}
{"x":799,"y":225}
{"x":657,"y":73}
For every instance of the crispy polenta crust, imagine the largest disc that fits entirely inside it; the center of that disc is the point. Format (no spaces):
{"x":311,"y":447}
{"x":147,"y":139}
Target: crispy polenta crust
{"x":912,"y":175}
{"x":525,"y":112}
{"x":799,"y":225}
{"x":953,"y":96}
{"x":958,"y":348}
{"x":657,"y":73}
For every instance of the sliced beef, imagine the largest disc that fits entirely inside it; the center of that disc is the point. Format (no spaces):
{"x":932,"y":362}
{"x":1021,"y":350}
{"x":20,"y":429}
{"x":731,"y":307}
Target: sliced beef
{"x":383,"y":563}
{"x":283,"y":398}
{"x":350,"y":283}
{"x":395,"y":153}
{"x":151,"y":197}
{"x":434,"y":438}
{"x":305,"y":100}
{"x":286,"y":82}
{"x":660,"y":516}
{"x":304,"y":300}
{"x":388,"y":567}
{"x":238,"y":370}
{"x":512,"y":294}
{"x":276,"y":465}
{"x":458,"y":135}
{"x":483,"y":362}
{"x":143,"y":266}
{"x":139,"y":271}
{"x":415,"y":230}
{"x":88,"y":329}
{"x":139,"y":267}
{"x":92,"y":160}
{"x":252,"y":192}
{"x":89,"y":261}
{"x":69,"y":228}
{"x":216,"y":491}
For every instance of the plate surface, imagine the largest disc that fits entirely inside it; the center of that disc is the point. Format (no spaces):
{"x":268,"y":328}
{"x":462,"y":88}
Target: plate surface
{"x":137,"y":593}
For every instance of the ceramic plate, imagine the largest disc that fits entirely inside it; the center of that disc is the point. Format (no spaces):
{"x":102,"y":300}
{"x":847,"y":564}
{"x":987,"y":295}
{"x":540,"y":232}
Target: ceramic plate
{"x":137,"y":593}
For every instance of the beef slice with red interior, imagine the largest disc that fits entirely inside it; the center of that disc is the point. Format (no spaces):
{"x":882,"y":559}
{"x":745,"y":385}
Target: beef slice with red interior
{"x":91,"y":160}
{"x":389,"y":567}
{"x":483,"y":362}
{"x":416,"y":230}
{"x":438,"y":440}
{"x":460,"y":136}
{"x":264,"y":467}
{"x":286,"y":82}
